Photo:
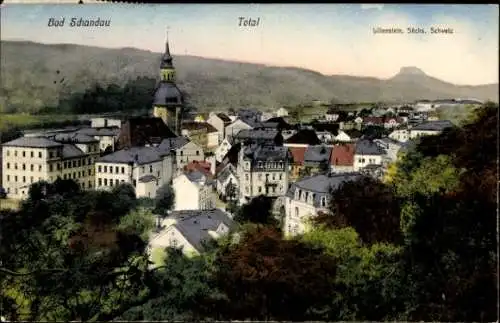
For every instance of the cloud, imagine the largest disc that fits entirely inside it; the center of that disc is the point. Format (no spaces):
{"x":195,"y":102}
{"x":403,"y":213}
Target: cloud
{"x":368,"y":6}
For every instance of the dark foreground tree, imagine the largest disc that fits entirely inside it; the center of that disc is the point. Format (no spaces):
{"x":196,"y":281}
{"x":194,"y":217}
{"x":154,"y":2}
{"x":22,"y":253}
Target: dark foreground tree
{"x":258,"y":211}
{"x":165,"y":199}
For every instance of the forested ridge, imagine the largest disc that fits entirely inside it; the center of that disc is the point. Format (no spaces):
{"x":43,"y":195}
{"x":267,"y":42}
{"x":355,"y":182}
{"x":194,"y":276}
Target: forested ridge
{"x":35,"y":76}
{"x":420,"y":246}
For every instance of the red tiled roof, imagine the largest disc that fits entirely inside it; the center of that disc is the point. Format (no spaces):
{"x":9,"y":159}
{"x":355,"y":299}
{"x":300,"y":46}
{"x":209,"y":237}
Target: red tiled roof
{"x":343,"y":155}
{"x":298,"y":154}
{"x":201,"y":166}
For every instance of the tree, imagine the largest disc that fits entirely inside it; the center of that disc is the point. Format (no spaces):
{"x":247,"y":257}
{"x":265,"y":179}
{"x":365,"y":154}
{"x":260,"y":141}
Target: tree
{"x":165,"y":199}
{"x":378,"y":218}
{"x":68,"y":257}
{"x":267,"y":278}
{"x":370,"y":277}
{"x":258,"y":210}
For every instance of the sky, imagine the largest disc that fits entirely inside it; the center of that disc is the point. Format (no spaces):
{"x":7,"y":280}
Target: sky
{"x":327,"y":38}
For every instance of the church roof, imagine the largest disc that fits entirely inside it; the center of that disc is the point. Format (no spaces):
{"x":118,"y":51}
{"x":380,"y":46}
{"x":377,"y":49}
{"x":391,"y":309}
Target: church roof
{"x":167,"y":94}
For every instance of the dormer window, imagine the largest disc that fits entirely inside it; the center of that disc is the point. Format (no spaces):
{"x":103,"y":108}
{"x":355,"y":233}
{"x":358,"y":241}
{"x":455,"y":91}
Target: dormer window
{"x":323,"y":201}
{"x":306,"y":197}
{"x":297,"y":194}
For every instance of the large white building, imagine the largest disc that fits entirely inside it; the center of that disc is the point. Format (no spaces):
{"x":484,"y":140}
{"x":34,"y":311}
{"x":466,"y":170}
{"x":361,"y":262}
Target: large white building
{"x":27,"y":160}
{"x":307,"y":197}
{"x":262,"y":170}
{"x":219,"y":121}
{"x":145,"y":168}
{"x":193,"y":191}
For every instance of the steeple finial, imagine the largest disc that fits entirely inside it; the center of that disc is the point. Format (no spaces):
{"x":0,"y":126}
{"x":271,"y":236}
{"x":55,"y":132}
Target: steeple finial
{"x":167,"y":47}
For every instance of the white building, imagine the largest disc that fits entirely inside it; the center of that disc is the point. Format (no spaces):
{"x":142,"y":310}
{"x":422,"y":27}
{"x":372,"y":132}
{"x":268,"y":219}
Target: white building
{"x":227,"y":176}
{"x":342,"y":136}
{"x":185,"y":152}
{"x":236,"y":126}
{"x":190,"y":230}
{"x":27,"y":160}
{"x":145,"y":168}
{"x":107,"y":136}
{"x":262,"y":170}
{"x":219,"y":121}
{"x":401,"y":135}
{"x":309,"y":196}
{"x":430,"y":128}
{"x":367,"y":153}
{"x":193,"y":191}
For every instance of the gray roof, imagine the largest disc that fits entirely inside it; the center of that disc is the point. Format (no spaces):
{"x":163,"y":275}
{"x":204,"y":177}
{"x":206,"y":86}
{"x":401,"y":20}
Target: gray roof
{"x":438,"y":125}
{"x":74,"y":138}
{"x":141,"y":155}
{"x":110,"y":132}
{"x":195,"y":224}
{"x":321,"y":185}
{"x":368,"y":147}
{"x":409,"y":145}
{"x":266,"y":153}
{"x":147,"y":178}
{"x":170,"y":144}
{"x":167,"y":94}
{"x":71,"y":151}
{"x":195,"y":176}
{"x":226,"y":172}
{"x":317,"y":154}
{"x":256,"y":134}
{"x":32,"y":142}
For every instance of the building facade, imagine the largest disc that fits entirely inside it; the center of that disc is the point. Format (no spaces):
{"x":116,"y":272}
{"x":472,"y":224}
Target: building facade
{"x":193,"y":191}
{"x":28,"y":160}
{"x":262,"y":170}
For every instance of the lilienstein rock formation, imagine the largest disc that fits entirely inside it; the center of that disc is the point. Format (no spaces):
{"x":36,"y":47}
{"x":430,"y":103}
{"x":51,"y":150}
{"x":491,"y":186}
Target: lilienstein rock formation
{"x":29,"y":76}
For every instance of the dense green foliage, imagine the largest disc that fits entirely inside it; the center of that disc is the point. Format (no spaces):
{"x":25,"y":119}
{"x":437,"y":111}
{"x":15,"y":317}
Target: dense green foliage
{"x":408,"y":250}
{"x":35,"y":76}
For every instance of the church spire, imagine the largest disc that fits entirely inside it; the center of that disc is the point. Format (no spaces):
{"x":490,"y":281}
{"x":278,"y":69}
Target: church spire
{"x":167,"y":58}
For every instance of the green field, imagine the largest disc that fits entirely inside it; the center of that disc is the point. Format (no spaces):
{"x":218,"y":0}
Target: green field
{"x":24,"y":120}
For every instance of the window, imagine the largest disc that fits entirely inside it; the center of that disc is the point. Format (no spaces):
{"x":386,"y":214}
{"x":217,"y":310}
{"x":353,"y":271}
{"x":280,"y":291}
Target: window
{"x":111,"y":169}
{"x":15,"y":166}
{"x":8,"y":178}
{"x":74,"y":163}
{"x":105,"y":182}
{"x":8,"y":152}
{"x":123,"y":170}
{"x":64,"y":176}
{"x":306,"y":196}
{"x":150,"y":168}
{"x":58,"y":166}
{"x":117,"y":182}
{"x":79,"y":174}
{"x":39,"y":168}
{"x":116,"y":169}
{"x":51,"y":154}
{"x":15,"y":153}
{"x":32,"y":154}
{"x":281,"y":177}
{"x":83,"y":162}
{"x":111,"y":182}
{"x":142,"y":169}
{"x":135,"y":183}
{"x":99,"y":169}
{"x":323,"y":201}
{"x":247,"y":177}
{"x":274,"y":189}
{"x":274,"y":177}
{"x":99,"y":181}
{"x":259,"y":189}
{"x":182,"y":153}
{"x":105,"y":169}
{"x":296,"y":212}
{"x":50,"y":167}
{"x":24,"y":166}
{"x":90,"y":172}
{"x":90,"y":161}
{"x":39,"y":154}
{"x":8,"y":165}
{"x":65,"y":165}
{"x":15,"y":178}
{"x":24,"y":179}
{"x":74,"y":175}
{"x":90,"y":184}
{"x":197,"y":153}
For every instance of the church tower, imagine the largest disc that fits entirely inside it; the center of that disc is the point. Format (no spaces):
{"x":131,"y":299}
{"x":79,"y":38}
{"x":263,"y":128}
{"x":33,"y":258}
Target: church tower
{"x":168,"y":100}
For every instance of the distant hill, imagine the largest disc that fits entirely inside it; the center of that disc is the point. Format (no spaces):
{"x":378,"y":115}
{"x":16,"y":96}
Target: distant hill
{"x":30,"y":79}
